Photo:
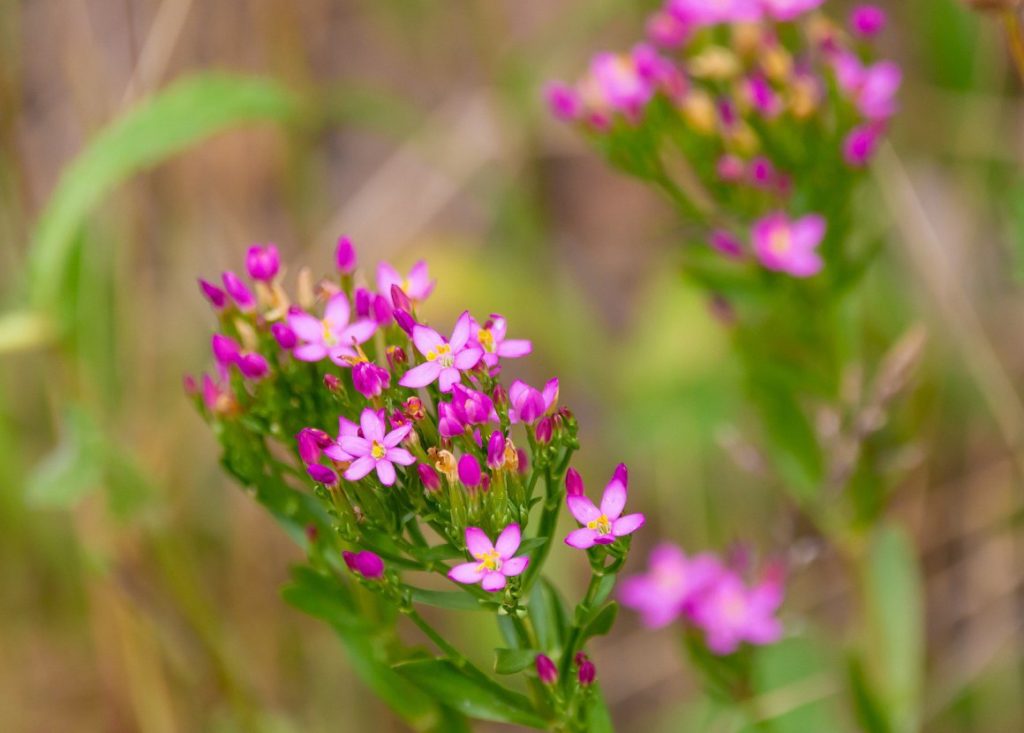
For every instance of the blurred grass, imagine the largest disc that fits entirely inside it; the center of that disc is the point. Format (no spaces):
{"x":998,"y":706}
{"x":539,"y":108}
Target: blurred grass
{"x":153,"y":603}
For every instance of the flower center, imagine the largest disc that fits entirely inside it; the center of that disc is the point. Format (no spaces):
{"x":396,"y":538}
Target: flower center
{"x":486,"y":339}
{"x":490,"y":560}
{"x":779,"y":242}
{"x":329,"y":338}
{"x":442,"y":355}
{"x":377,"y":450}
{"x":601,"y":525}
{"x":734,"y":608}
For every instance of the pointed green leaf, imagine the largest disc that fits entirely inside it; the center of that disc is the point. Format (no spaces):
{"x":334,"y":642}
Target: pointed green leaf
{"x":510,"y":661}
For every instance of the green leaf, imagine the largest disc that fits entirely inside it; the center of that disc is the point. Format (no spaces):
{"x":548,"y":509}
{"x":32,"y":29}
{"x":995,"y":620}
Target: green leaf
{"x":601,"y":622}
{"x":456,"y":600}
{"x":531,"y":544}
{"x":510,"y":661}
{"x":794,"y":445}
{"x":599,"y":720}
{"x":895,"y":654}
{"x":471,"y":696}
{"x":797,"y":689}
{"x":174,"y":119}
{"x":74,"y":468}
{"x":547,"y":613}
{"x":604,"y":588}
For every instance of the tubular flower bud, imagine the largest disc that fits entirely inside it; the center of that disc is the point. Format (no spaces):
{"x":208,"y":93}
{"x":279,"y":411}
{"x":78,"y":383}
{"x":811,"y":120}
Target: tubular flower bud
{"x":547,"y":672}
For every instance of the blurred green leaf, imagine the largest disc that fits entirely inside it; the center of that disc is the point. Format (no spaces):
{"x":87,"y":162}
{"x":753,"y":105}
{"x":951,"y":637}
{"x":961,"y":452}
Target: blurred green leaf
{"x":470,"y":695}
{"x":510,"y":661}
{"x":797,"y":690}
{"x":547,"y":613}
{"x":599,"y":720}
{"x":185,"y":113}
{"x":74,"y":467}
{"x":602,"y":621}
{"x":790,"y":436}
{"x":454,"y":600}
{"x":895,"y":655}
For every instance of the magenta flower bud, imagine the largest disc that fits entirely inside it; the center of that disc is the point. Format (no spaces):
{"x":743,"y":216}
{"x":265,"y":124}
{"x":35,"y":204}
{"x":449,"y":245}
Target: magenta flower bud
{"x":365,"y":563}
{"x":469,"y":471}
{"x":262,"y":262}
{"x":573,"y":483}
{"x":253,"y":365}
{"x":284,"y":335}
{"x":332,"y":382}
{"x":191,"y":386}
{"x":867,"y":21}
{"x":309,"y":446}
{"x":364,"y":302}
{"x":431,"y":481}
{"x":238,"y":291}
{"x":369,"y":379}
{"x":726,"y":243}
{"x":762,"y":172}
{"x":621,"y":474}
{"x":382,"y":310}
{"x":217,"y":297}
{"x":730,"y":168}
{"x":396,"y":356}
{"x":579,"y":658}
{"x":546,"y":669}
{"x":322,"y":474}
{"x":524,"y":461}
{"x":496,"y":450}
{"x":586,"y":673}
{"x":225,"y":350}
{"x":405,"y":322}
{"x":399,"y":299}
{"x":543,"y":431}
{"x":448,"y":422}
{"x":312,"y":533}
{"x":563,"y":101}
{"x":345,"y":256}
{"x":860,"y":144}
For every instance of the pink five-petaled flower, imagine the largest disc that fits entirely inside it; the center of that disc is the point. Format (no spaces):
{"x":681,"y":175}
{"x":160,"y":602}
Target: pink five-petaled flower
{"x":493,"y":563}
{"x":789,"y":246}
{"x":526,"y":404}
{"x":730,"y":613}
{"x":418,"y":286}
{"x":670,"y":586}
{"x":602,"y":525}
{"x":332,"y":336}
{"x":375,"y":449}
{"x":446,"y":359}
{"x":490,"y":337}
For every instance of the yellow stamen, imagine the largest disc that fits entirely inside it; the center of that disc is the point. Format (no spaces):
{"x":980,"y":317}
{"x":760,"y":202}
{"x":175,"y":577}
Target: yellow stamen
{"x":329,"y":338}
{"x":601,"y":525}
{"x":490,"y":560}
{"x":779,"y":241}
{"x":377,"y":450}
{"x":486,"y":339}
{"x":442,"y":354}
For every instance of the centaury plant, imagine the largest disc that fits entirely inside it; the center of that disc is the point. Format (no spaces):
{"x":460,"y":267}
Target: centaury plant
{"x":395,"y":452}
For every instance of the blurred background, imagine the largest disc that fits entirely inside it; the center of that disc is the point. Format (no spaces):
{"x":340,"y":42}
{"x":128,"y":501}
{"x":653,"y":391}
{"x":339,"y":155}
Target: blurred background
{"x":140,"y":588}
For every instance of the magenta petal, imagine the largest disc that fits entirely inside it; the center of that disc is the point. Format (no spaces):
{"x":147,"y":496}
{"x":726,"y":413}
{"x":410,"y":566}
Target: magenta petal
{"x":493,"y":581}
{"x":386,"y":472}
{"x":359,"y":468}
{"x":582,"y":509}
{"x":808,"y":231}
{"x":426,"y":339}
{"x":514,"y":566}
{"x":581,"y":539}
{"x":372,"y":425}
{"x":448,"y":378}
{"x":460,"y":334}
{"x":354,"y":445}
{"x":508,"y":541}
{"x":337,"y":312}
{"x":468,"y":358}
{"x":614,"y":499}
{"x":421,"y":376}
{"x":514,"y":348}
{"x":397,"y":435}
{"x":335,"y":452}
{"x":400,"y":456}
{"x":310,"y":352}
{"x":627,"y":524}
{"x":467,"y":572}
{"x":306,"y":326}
{"x":477,"y":542}
{"x":358,"y":333}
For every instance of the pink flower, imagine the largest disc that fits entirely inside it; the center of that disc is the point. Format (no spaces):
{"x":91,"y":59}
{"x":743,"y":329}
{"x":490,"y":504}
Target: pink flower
{"x":712,"y":12}
{"x":604,"y":524}
{"x":217,"y":297}
{"x":731,"y":613}
{"x":868,"y":21}
{"x":668,"y":30}
{"x":238,"y":291}
{"x":490,"y":337}
{"x":375,"y":449}
{"x":262,"y":262}
{"x":369,"y":379}
{"x":861,"y":142}
{"x":332,"y":336}
{"x":671,"y":584}
{"x":322,"y":474}
{"x":786,"y":10}
{"x":762,"y":96}
{"x":333,"y":449}
{"x":418,"y":286}
{"x":563,"y":101}
{"x":493,"y":563}
{"x":526,"y":404}
{"x":445,"y":359}
{"x":873,"y":88}
{"x":789,"y":246}
{"x":345,"y":256}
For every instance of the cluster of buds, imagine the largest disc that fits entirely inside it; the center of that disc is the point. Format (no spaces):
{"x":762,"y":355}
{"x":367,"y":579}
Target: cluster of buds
{"x":437,"y":465}
{"x":709,"y":595}
{"x":751,"y":114}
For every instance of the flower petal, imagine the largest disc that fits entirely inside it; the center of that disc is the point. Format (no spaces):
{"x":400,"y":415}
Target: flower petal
{"x":467,"y":572}
{"x":386,"y":277}
{"x":306,"y":327}
{"x":337,"y":312}
{"x":808,"y":232}
{"x":448,"y":378}
{"x":613,"y":500}
{"x":358,"y":333}
{"x":508,"y":541}
{"x":582,"y":508}
{"x":493,"y":581}
{"x":400,"y":456}
{"x":359,"y":468}
{"x":426,"y":339}
{"x":460,"y":334}
{"x":514,"y":348}
{"x":468,"y":358}
{"x":386,"y":472}
{"x":354,"y":445}
{"x":627,"y":524}
{"x":372,"y":425}
{"x":514,"y":566}
{"x":421,"y":376}
{"x":335,"y":452}
{"x":477,"y":542}
{"x":310,"y":352}
{"x":581,"y":539}
{"x":396,"y":436}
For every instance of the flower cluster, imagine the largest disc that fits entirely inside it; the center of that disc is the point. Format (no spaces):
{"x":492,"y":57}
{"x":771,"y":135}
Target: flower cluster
{"x":750,"y":114}
{"x":709,"y":595}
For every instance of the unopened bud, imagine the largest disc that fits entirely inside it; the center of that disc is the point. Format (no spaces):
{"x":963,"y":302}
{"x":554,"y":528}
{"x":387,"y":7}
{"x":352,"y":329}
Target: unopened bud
{"x":365,"y":563}
{"x":396,"y":356}
{"x":404,"y":320}
{"x":332,"y":382}
{"x":543,"y":431}
{"x":546,"y":670}
{"x":573,"y":483}
{"x":345,"y":256}
{"x":322,"y":474}
{"x":586,"y":673}
{"x":431,"y":481}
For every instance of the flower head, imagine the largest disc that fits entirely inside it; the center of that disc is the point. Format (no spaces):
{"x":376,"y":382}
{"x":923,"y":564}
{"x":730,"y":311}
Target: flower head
{"x":713,"y":12}
{"x":602,"y":524}
{"x":526,"y":404}
{"x":670,"y":585}
{"x":867,"y":21}
{"x":789,"y":246}
{"x":730,"y":613}
{"x":369,"y":379}
{"x":262,"y":263}
{"x":418,"y":285}
{"x":446,"y":359}
{"x":375,"y":449}
{"x":490,"y":337}
{"x":331,"y":336}
{"x":493,"y":563}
